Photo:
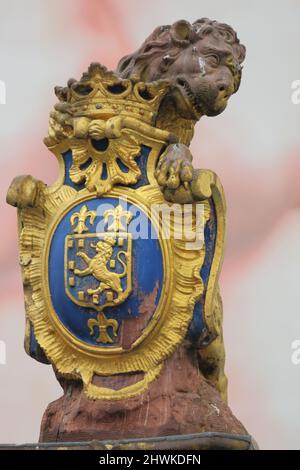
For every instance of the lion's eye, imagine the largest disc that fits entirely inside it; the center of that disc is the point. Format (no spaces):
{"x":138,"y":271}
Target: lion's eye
{"x":213,"y":59}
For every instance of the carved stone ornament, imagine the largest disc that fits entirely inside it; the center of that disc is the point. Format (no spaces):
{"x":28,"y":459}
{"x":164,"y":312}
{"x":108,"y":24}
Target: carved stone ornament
{"x":131,"y":318}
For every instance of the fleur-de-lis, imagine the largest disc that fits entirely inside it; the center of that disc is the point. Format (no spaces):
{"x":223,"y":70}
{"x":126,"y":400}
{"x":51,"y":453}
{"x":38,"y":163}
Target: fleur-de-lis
{"x":119,"y":215}
{"x":81,"y":217}
{"x":103,"y":323}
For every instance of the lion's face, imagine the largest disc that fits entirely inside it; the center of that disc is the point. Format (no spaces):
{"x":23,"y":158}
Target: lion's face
{"x":203,"y":76}
{"x":203,"y":66}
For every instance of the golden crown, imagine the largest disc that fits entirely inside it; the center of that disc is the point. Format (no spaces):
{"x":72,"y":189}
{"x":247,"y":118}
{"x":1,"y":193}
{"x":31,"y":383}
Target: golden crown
{"x":102,"y":94}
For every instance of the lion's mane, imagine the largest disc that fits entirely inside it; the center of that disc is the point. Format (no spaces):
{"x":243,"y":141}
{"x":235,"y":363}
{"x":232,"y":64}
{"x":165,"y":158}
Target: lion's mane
{"x":164,"y":42}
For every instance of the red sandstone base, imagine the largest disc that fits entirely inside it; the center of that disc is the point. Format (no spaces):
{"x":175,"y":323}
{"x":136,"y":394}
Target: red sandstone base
{"x":181,"y":401}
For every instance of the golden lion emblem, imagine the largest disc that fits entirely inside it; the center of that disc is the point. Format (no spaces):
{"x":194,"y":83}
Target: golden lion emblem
{"x":97,"y":267}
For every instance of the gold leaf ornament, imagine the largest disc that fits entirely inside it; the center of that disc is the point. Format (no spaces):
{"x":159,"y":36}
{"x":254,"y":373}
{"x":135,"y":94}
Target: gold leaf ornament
{"x":88,"y":163}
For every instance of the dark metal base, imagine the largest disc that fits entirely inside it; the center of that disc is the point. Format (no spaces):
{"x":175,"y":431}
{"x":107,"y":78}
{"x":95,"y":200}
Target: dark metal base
{"x":199,"y":441}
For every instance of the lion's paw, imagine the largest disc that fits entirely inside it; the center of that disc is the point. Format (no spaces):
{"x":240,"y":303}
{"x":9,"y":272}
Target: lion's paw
{"x":174,"y":167}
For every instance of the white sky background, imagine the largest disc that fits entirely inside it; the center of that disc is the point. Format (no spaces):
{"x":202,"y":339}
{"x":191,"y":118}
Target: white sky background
{"x":39,"y":48}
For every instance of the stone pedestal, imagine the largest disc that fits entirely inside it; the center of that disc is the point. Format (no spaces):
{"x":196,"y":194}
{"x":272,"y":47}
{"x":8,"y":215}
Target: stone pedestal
{"x":200,"y":441}
{"x":180,"y":402}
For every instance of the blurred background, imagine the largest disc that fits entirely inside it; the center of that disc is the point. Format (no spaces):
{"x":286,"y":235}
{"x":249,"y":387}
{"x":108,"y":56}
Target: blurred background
{"x":254,"y":146}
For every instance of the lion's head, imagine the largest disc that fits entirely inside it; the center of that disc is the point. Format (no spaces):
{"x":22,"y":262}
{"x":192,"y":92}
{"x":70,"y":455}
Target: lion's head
{"x":201,"y":60}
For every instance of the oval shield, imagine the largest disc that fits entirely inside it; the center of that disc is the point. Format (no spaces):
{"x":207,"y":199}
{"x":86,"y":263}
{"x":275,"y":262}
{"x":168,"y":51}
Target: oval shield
{"x":113,"y":289}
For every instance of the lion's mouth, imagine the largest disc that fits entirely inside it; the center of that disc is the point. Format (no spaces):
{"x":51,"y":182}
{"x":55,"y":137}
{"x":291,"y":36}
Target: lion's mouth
{"x":190,"y":96}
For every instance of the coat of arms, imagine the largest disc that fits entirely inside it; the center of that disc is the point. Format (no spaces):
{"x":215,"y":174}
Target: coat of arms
{"x":103,"y":301}
{"x":113,"y":303}
{"x":98,"y":266}
{"x":103,"y":288}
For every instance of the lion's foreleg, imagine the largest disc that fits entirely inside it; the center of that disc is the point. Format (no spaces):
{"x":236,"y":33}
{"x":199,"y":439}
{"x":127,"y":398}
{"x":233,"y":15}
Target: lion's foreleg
{"x":82,"y":272}
{"x":179,"y":181}
{"x":211,"y":363}
{"x":212,"y":357}
{"x":84,"y":256}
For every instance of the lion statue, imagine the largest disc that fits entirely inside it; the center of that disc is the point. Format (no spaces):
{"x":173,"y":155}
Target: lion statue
{"x":202,"y":61}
